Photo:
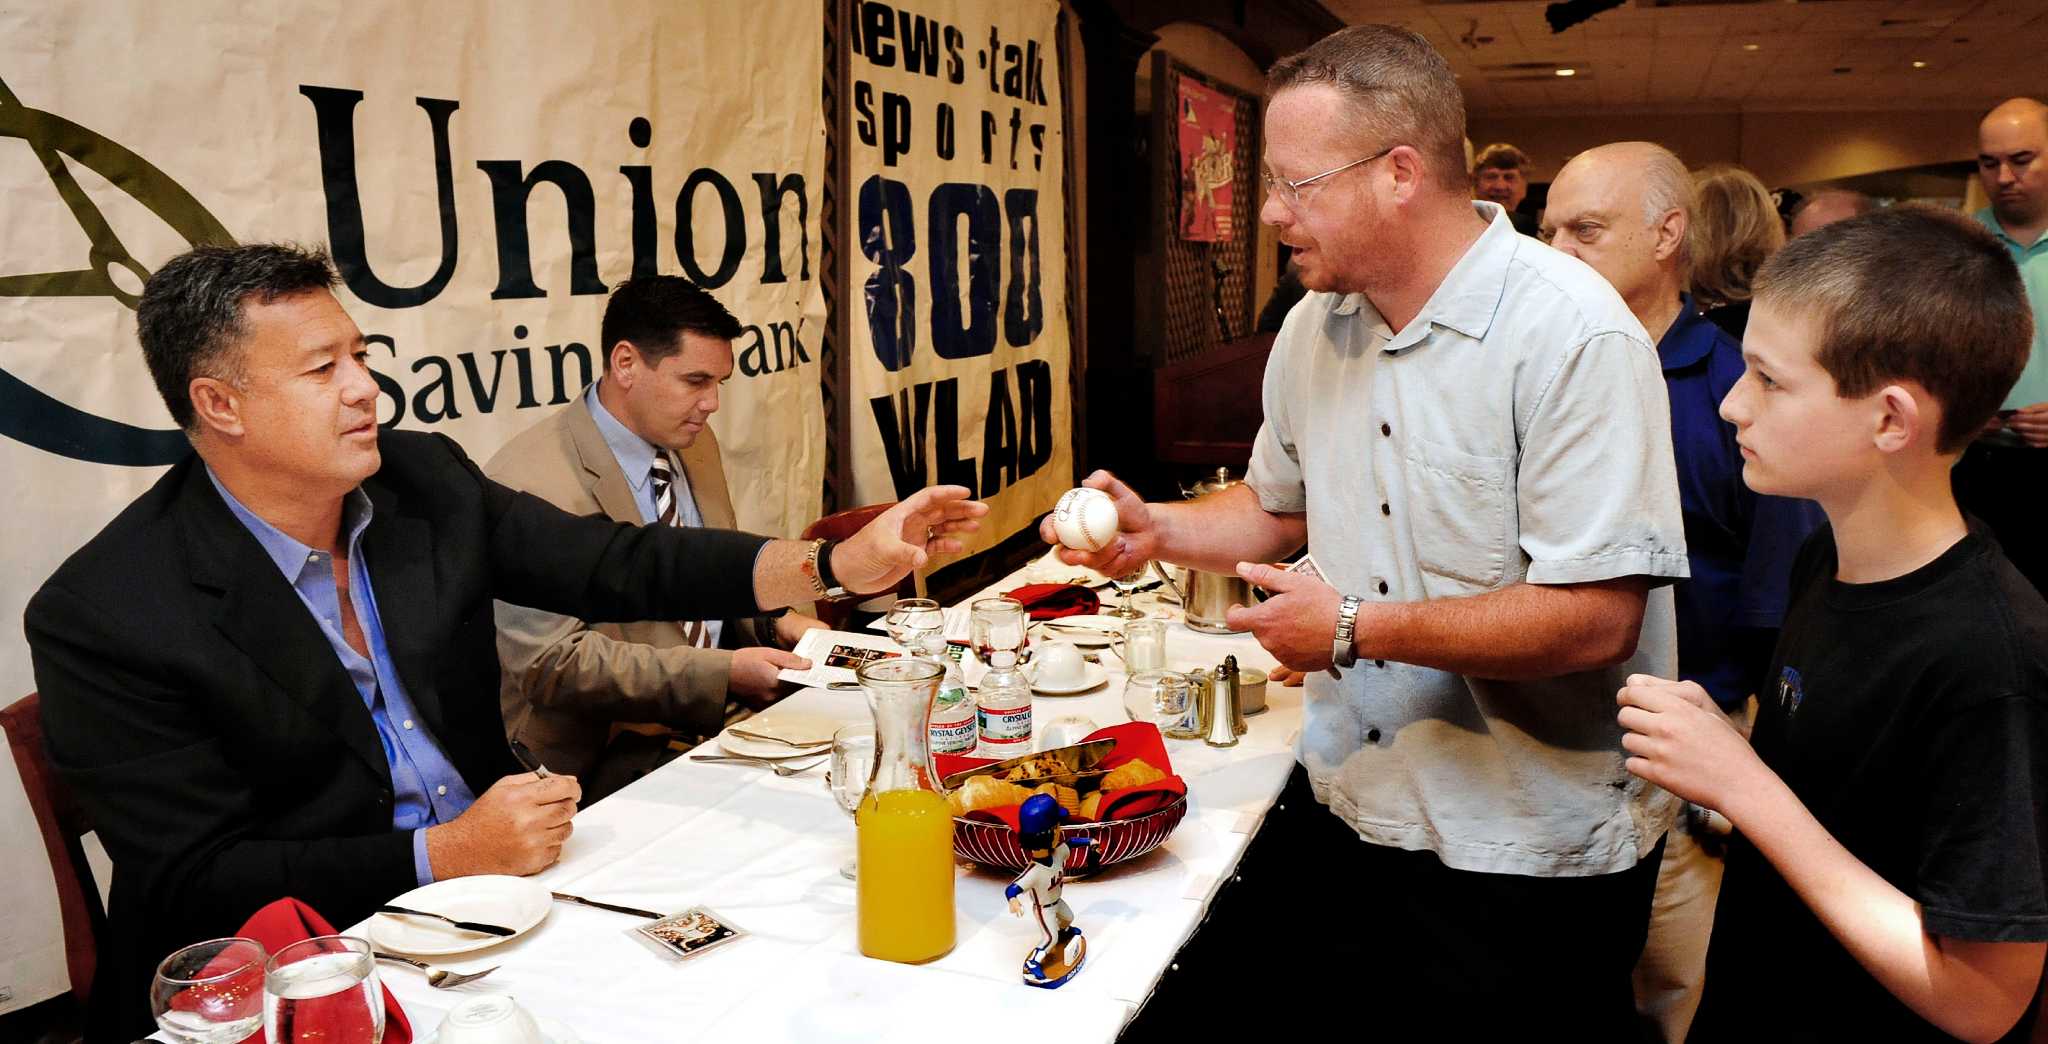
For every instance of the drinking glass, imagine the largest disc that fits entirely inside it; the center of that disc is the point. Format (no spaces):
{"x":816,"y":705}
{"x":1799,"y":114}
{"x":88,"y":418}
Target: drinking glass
{"x":1144,"y":646}
{"x":210,"y":992}
{"x":323,"y":990}
{"x":1126,"y":586}
{"x":912,"y":620}
{"x":1002,"y":637}
{"x":853,"y":761}
{"x":1162,"y":698}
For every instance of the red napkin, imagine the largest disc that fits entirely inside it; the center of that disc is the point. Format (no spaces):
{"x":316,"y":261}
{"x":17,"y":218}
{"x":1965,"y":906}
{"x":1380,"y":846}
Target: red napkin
{"x":1052,"y":601}
{"x":287,"y":921}
{"x":1134,"y":740}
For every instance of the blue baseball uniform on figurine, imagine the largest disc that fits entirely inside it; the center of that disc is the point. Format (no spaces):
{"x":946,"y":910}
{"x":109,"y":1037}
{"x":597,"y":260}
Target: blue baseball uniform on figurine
{"x":1061,"y":949}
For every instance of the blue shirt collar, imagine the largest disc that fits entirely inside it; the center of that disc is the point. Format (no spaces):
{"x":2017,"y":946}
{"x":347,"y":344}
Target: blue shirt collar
{"x":287,"y":553}
{"x":634,"y":454}
{"x":1690,"y":338}
{"x":1469,"y":296}
{"x":1989,"y":219}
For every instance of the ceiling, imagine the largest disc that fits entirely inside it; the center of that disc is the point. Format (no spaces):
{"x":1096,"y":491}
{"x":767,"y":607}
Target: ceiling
{"x":1732,"y":55}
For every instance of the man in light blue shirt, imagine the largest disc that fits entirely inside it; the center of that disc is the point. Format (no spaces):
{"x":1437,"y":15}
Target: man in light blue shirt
{"x":1470,"y":432}
{"x":2000,"y":477}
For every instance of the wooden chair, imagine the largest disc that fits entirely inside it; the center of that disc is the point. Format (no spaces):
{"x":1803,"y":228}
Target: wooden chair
{"x":838,"y":526}
{"x":62,"y":823}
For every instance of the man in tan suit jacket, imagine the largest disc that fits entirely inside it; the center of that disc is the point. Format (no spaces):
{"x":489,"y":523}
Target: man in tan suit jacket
{"x":609,"y":702}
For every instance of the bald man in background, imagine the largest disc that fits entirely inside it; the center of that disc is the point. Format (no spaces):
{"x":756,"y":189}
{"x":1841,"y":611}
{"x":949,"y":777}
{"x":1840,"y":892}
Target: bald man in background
{"x":1827,"y":207}
{"x":1625,"y":209}
{"x":2002,"y":474}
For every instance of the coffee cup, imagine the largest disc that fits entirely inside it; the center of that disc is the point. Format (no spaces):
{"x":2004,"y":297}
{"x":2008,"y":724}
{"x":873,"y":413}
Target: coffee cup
{"x":1060,"y":665}
{"x":1065,"y":731}
{"x":490,"y":1019}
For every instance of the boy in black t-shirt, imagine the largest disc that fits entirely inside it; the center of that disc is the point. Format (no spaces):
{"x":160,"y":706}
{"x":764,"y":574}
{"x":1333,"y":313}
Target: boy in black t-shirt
{"x":1887,"y":882}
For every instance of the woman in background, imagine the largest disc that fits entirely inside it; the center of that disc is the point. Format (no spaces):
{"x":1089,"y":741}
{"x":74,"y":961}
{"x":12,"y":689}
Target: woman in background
{"x":1735,"y":229}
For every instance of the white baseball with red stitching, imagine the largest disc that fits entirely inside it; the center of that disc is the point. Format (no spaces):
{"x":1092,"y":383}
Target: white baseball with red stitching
{"x":1085,"y":519}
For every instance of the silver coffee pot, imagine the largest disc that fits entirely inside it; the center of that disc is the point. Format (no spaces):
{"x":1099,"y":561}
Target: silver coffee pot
{"x":1207,"y":596}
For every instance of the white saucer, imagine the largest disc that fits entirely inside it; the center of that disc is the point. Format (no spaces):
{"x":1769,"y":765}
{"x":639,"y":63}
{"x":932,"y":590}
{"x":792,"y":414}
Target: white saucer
{"x":518,"y":903}
{"x":794,"y":726}
{"x":1092,"y":676}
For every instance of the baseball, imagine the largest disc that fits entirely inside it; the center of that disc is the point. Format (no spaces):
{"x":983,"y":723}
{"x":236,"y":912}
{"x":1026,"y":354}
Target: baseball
{"x":1085,"y":519}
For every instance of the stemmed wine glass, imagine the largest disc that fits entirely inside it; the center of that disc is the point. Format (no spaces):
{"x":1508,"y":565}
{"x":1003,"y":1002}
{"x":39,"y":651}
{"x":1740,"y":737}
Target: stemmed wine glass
{"x":324,"y":990}
{"x":912,"y":622}
{"x":1002,"y":633}
{"x":210,"y":992}
{"x":853,"y":762}
{"x":1126,"y":588}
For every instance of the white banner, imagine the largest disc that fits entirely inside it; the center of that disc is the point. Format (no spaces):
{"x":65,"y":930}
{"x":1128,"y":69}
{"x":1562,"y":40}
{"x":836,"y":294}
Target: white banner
{"x":959,"y":349}
{"x":483,"y":172}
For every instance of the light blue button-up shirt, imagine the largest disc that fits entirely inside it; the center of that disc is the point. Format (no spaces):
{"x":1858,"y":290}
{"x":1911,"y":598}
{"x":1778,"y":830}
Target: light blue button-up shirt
{"x":1517,"y":429}
{"x":636,"y":458}
{"x":2032,"y":387}
{"x":426,"y":788}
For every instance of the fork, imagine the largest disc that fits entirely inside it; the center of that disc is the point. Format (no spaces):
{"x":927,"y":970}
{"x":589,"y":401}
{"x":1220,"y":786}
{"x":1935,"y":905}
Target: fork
{"x":781,"y":768}
{"x":798,"y":744}
{"x":439,"y":978}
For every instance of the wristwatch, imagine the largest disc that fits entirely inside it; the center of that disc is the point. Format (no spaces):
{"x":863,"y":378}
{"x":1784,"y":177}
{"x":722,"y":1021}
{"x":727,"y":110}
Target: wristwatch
{"x":1342,"y":652}
{"x":817,"y":569}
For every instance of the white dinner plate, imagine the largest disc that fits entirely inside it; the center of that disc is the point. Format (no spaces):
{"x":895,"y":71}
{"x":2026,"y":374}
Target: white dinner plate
{"x":1092,"y":675}
{"x":1092,"y":630}
{"x":794,"y":726}
{"x":517,"y":903}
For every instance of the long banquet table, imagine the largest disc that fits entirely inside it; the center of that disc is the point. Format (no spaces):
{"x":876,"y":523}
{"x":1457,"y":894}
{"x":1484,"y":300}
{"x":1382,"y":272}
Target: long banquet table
{"x":763,"y":852}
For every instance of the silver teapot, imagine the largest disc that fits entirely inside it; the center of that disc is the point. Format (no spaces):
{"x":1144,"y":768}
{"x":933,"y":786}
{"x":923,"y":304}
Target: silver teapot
{"x":1207,"y":596}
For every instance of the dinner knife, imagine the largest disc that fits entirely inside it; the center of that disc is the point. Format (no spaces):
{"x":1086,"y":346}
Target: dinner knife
{"x":580,"y":901}
{"x":467,"y":926}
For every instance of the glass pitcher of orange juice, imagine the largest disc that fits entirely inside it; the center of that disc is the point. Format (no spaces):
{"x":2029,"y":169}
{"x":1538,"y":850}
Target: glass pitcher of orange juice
{"x":905,"y":850}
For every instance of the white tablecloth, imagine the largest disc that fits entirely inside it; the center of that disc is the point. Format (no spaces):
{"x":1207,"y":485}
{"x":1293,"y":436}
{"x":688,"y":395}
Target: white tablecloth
{"x":763,"y":852}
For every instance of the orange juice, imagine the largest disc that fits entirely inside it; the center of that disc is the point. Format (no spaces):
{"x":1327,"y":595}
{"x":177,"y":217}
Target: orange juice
{"x":905,"y":876}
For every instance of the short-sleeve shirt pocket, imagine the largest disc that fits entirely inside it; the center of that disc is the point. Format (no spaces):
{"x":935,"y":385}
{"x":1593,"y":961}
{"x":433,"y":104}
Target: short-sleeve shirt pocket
{"x":1459,"y":505}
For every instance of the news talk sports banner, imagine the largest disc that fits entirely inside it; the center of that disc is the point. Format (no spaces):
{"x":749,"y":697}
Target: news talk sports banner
{"x":484,"y":172}
{"x":959,"y":342}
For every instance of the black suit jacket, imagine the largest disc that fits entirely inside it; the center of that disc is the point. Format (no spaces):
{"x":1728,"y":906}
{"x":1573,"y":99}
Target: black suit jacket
{"x":211,"y":733}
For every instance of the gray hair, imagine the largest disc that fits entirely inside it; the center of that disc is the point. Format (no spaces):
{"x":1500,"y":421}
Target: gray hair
{"x":1666,"y":184}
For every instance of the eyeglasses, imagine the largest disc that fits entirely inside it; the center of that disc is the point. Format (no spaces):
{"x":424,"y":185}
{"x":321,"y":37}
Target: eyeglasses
{"x":1290,"y":191}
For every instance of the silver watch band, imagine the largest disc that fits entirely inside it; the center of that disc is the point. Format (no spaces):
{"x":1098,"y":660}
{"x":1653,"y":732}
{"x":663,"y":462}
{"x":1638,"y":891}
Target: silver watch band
{"x":1343,"y":652}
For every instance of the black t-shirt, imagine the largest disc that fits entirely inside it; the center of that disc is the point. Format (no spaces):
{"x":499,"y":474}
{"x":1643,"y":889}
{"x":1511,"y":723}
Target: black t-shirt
{"x":1911,"y":718}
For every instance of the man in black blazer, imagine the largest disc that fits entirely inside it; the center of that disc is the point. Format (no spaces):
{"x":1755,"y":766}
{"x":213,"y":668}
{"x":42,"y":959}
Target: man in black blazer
{"x":274,"y":674}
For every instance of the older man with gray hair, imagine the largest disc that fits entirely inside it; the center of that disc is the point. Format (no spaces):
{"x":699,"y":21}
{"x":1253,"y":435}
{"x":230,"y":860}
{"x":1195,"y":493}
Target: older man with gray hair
{"x":1625,"y":209}
{"x":1468,"y":431}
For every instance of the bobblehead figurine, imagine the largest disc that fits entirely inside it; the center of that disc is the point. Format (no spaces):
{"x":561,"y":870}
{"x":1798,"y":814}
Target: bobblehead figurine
{"x":1061,"y":948}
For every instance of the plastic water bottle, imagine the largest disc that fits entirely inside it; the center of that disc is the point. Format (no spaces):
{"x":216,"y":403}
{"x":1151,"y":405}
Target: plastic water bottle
{"x":955,"y":723}
{"x":1005,"y":714}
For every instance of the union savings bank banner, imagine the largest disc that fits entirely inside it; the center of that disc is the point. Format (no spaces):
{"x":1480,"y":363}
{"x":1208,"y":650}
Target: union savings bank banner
{"x":483,"y":173}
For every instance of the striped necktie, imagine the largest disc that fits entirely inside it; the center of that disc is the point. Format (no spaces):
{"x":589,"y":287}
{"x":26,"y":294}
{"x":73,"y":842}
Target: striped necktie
{"x":663,"y":477}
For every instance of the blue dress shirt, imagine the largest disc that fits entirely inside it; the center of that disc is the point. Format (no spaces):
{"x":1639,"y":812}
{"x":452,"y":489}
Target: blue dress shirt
{"x":636,"y":457}
{"x":1740,"y":544}
{"x":426,"y":788}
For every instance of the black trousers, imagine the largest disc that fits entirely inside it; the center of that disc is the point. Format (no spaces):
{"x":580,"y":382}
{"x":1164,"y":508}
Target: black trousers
{"x":1319,"y":927}
{"x":1999,"y":484}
